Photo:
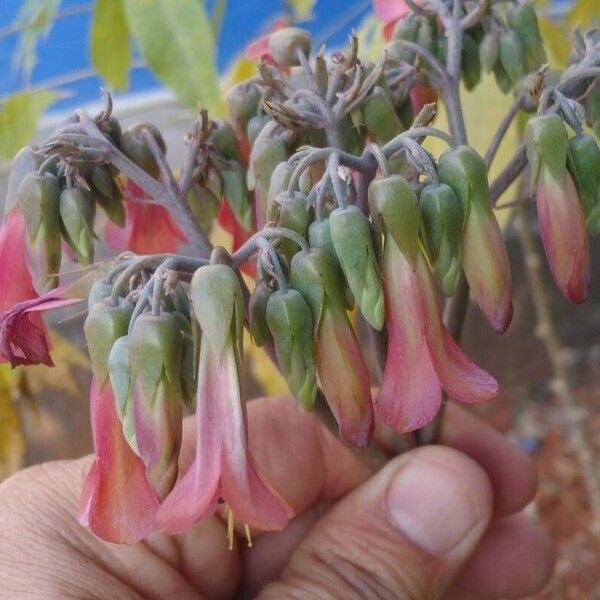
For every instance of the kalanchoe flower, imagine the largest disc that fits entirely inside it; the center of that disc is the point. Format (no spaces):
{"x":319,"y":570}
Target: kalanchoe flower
{"x":560,"y":216}
{"x":257,"y":308}
{"x":155,"y":349}
{"x":291,"y":325}
{"x":340,"y":364}
{"x":23,"y":335}
{"x":223,"y":467}
{"x":149,"y":228}
{"x":292,"y":213}
{"x":117,"y":503}
{"x":422,"y":355}
{"x":484,"y":255}
{"x":77,"y":217}
{"x":353,"y":244}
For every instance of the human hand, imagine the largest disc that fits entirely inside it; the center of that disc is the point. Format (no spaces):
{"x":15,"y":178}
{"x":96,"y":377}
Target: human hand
{"x":439,"y":521}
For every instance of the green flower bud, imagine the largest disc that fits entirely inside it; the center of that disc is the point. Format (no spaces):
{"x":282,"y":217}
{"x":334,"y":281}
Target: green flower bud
{"x":284,"y":45}
{"x":119,"y":371}
{"x":77,"y":218}
{"x":380,"y":116}
{"x":135,"y":147}
{"x":279,"y":182}
{"x":442,"y":223}
{"x":394,"y":205}
{"x":351,"y":236}
{"x":317,"y":276}
{"x":257,"y":308}
{"x":512,"y":55}
{"x":106,"y":192}
{"x":235,"y":192}
{"x":242,"y":102}
{"x":547,"y":145}
{"x":294,"y":215}
{"x":113,"y":130}
{"x":204,"y":204}
{"x":39,"y":201}
{"x":255,"y":126}
{"x":503,"y":81}
{"x":267,"y":153}
{"x":217,"y":301}
{"x":225,"y":141}
{"x":583,"y":162}
{"x":522,"y":19}
{"x":104,"y":325}
{"x":99,"y":291}
{"x":470,"y":63}
{"x":291,"y":325}
{"x":489,"y":50}
{"x":319,"y":236}
{"x":189,"y":363}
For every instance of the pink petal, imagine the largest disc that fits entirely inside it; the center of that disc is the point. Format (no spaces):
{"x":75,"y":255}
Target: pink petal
{"x":223,"y":466}
{"x":16,"y":283}
{"x":410,"y":394}
{"x":420,"y":95}
{"x":117,"y":502}
{"x":460,"y":377}
{"x":564,"y":236}
{"x":487,"y":268}
{"x":389,"y":11}
{"x":258,"y":48}
{"x":344,"y":377}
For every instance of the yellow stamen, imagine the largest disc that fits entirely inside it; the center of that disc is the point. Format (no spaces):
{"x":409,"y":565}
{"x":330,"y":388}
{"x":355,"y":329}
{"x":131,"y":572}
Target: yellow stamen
{"x":248,"y":535}
{"x":230,"y":531}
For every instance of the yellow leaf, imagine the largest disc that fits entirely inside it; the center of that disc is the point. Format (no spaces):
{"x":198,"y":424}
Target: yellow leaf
{"x":556,"y":41}
{"x":302,"y":8}
{"x":584,"y":14}
{"x":12,"y":440}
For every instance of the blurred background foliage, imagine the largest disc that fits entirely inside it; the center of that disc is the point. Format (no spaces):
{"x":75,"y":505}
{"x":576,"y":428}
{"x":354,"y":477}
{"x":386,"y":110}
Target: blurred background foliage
{"x":180,"y":43}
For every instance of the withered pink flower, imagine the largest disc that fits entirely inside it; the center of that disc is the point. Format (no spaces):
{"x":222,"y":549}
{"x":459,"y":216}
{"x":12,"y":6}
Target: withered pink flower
{"x":149,"y":228}
{"x":422,"y":356}
{"x":117,"y":503}
{"x":258,"y":49}
{"x":564,"y":235}
{"x":223,"y":469}
{"x":23,"y":335}
{"x":389,"y":12}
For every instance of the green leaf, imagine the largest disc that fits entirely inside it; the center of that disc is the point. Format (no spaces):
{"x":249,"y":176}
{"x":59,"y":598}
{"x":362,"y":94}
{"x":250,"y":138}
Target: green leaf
{"x":110,"y":47}
{"x":584,"y":14}
{"x":176,"y":40}
{"x":18,"y":119}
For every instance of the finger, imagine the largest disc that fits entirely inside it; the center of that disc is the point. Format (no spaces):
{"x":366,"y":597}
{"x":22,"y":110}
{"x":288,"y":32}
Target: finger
{"x":510,"y":471}
{"x":514,"y":559}
{"x":406,"y":532}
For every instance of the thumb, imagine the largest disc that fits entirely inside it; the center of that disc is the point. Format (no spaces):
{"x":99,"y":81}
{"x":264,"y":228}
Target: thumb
{"x":405,"y":533}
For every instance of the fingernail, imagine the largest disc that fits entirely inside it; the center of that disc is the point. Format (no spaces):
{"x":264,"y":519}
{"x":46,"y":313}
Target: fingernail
{"x":433,"y":506}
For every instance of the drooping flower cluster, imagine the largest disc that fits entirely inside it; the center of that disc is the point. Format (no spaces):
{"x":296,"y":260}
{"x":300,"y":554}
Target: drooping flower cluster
{"x":345,"y":223}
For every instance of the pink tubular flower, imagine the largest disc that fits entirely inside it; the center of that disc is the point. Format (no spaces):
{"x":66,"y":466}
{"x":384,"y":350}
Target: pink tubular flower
{"x":422,"y":356}
{"x":389,"y":12}
{"x":149,"y":228}
{"x":564,"y":236}
{"x":223,"y":468}
{"x":23,"y":335}
{"x":16,"y":283}
{"x":117,"y":502}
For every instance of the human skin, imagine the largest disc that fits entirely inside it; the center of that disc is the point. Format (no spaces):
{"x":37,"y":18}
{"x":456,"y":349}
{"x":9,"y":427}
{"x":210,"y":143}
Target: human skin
{"x":438,"y":521}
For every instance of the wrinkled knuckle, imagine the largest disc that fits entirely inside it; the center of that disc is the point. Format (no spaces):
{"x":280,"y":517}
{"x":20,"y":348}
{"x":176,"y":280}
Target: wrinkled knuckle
{"x":353,"y":563}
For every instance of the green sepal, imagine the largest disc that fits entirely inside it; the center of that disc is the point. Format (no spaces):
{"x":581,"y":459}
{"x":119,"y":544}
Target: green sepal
{"x":225,"y":141}
{"x":522,"y":18}
{"x":279,"y":182}
{"x":583,"y":162}
{"x":317,"y":276}
{"x":257,"y":308}
{"x":119,"y":371}
{"x":255,"y":126}
{"x":218,"y":305}
{"x":470,"y":62}
{"x":489,"y":50}
{"x":189,"y":380}
{"x":106,"y":192}
{"x":135,"y":147}
{"x":464,"y":170}
{"x":379,"y":116}
{"x":235,"y":192}
{"x":319,"y":236}
{"x":512,"y":55}
{"x":442,"y":224}
{"x":290,"y":322}
{"x":77,"y":216}
{"x":205,"y":205}
{"x":294,"y":215}
{"x":547,"y":143}
{"x":155,"y":352}
{"x":394,"y":204}
{"x":242,"y":102}
{"x":104,"y":325}
{"x":353,"y":243}
{"x":503,"y":81}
